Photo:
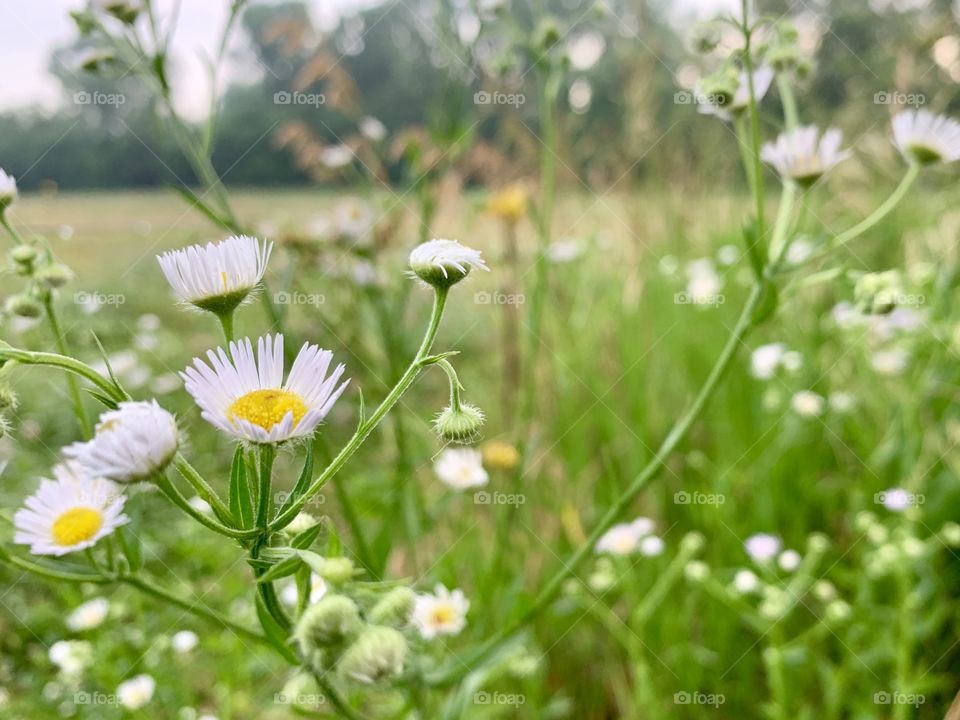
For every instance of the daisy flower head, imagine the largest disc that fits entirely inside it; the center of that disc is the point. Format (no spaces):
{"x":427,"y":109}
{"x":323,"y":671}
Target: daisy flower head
{"x":69,"y":513}
{"x":762,"y":547}
{"x":131,"y":444}
{"x":804,"y":155}
{"x":217,"y":277}
{"x":244,"y":395}
{"x":89,"y":615}
{"x":925,"y":138}
{"x":746,"y":582}
{"x":440,"y":613}
{"x":461,"y":468}
{"x":443,"y":263}
{"x":136,"y":692}
{"x":8,"y":190}
{"x":625,"y":538}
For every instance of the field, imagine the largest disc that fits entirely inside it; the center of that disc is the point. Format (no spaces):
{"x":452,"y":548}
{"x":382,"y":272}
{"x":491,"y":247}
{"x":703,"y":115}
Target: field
{"x":863,"y":628}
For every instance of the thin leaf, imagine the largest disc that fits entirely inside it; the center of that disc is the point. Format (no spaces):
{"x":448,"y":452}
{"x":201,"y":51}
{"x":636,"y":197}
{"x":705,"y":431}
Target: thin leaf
{"x":281,"y":569}
{"x":274,"y":633}
{"x":305,"y":539}
{"x":241,"y":505}
{"x":315,"y":561}
{"x":130,"y":547}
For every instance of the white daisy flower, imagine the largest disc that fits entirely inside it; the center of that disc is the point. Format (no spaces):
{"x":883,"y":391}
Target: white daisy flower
{"x":808,"y":404}
{"x":70,"y":513}
{"x":624,"y":538}
{"x":136,"y":692}
{"x":217,"y":276}
{"x":372,"y":129}
{"x":651,"y":546}
{"x":896,"y":499}
{"x":246,"y":397}
{"x":804,"y":155}
{"x":762,"y":547}
{"x":336,"y":156}
{"x":132,"y":443}
{"x":353,"y":219}
{"x":746,"y":582}
{"x":8,"y":190}
{"x":461,"y":468}
{"x":765,"y":360}
{"x":789,"y":560}
{"x":841,"y":401}
{"x":442,"y":263}
{"x":184,"y":641}
{"x":440,"y":613}
{"x":926,"y":138}
{"x":71,"y":656}
{"x":762,"y":79}
{"x":890,"y":362}
{"x":89,"y":615}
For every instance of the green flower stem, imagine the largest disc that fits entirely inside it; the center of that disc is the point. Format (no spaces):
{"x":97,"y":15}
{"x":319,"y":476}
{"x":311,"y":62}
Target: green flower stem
{"x":780,"y":242}
{"x":754,"y":113}
{"x":776,"y":676}
{"x":666,"y":580}
{"x":455,"y":386}
{"x":64,"y":362}
{"x":339,"y":704}
{"x":74,"y":388}
{"x":202,"y":487}
{"x":197,"y":609}
{"x":51,"y":573}
{"x":267,"y":454}
{"x":420,"y":360}
{"x":176,"y":497}
{"x":226,"y":322}
{"x":790,"y":115}
{"x":652,"y":468}
{"x":873,"y":218}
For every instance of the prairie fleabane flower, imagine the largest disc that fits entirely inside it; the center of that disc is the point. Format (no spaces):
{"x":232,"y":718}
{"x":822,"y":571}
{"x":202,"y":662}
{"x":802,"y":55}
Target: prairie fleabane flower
{"x":624,"y":538}
{"x":728,"y":107}
{"x":69,"y":513}
{"x":136,"y":692}
{"x":131,"y":444}
{"x":89,"y":615}
{"x":461,"y":468}
{"x":440,"y":613}
{"x":762,"y":547}
{"x":926,"y":138}
{"x":443,"y":263}
{"x":509,"y":204}
{"x":216,"y":277}
{"x":804,"y":155}
{"x":246,"y":397}
{"x":8,"y":190}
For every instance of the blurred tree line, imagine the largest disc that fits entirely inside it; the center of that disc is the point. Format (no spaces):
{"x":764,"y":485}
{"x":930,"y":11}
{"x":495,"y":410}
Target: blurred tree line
{"x":417,"y":65}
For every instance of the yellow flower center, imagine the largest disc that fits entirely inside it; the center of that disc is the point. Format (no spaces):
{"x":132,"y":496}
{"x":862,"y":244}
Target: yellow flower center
{"x":76,"y":525}
{"x":442,"y":615}
{"x":266,"y":408}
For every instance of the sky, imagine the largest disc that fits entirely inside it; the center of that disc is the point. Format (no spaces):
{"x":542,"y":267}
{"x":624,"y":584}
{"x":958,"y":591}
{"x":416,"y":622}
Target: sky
{"x":33,"y":28}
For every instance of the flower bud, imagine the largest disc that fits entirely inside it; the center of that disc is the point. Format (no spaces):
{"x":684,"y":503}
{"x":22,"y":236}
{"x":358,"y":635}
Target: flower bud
{"x":301,"y":523}
{"x":704,"y":37}
{"x":817,"y":543}
{"x":696,"y":571}
{"x":546,"y":35}
{"x":378,"y":654}
{"x":23,"y":305}
{"x":54,"y":275}
{"x":720,"y":87}
{"x":24,"y":256}
{"x":337,"y":570}
{"x":329,"y":621}
{"x":4,"y":426}
{"x":9,"y":399}
{"x":443,"y":263}
{"x":460,"y":425}
{"x":394,"y":608}
{"x":302,"y":692}
{"x":692,"y":542}
{"x":838,"y":611}
{"x":783,"y":57}
{"x":125,"y":12}
{"x":951,"y":534}
{"x":824,"y":590}
{"x":877,"y":293}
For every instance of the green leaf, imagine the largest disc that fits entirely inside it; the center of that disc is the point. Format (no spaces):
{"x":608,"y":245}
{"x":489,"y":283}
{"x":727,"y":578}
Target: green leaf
{"x":282,"y":569}
{"x":754,"y":248}
{"x":303,"y":482}
{"x":130,"y":547}
{"x":305,"y":539}
{"x":241,"y":505}
{"x":315,"y":561}
{"x":275,"y":634}
{"x":103,"y":399}
{"x":334,"y":545}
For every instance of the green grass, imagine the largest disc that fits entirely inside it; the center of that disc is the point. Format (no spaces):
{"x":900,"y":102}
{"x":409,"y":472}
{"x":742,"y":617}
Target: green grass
{"x":620,"y":361}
